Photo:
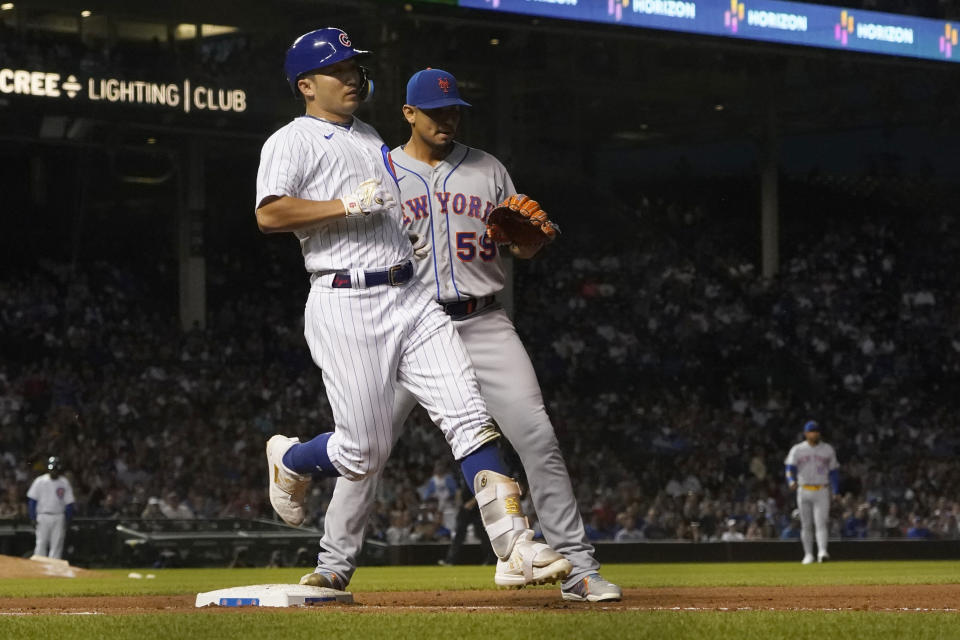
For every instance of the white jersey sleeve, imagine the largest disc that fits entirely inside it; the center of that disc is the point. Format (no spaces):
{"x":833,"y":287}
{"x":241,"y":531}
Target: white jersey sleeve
{"x":282,"y":160}
{"x":448,"y":204}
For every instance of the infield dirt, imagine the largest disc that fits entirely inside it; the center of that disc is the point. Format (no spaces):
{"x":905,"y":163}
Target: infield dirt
{"x":12,"y":567}
{"x":833,"y":598}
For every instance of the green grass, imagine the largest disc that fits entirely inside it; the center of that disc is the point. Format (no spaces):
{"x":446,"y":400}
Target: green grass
{"x":318,"y":624}
{"x":580,"y":621}
{"x":179,"y":581}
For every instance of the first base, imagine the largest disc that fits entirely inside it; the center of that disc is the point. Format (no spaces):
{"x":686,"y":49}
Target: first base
{"x":273,"y":595}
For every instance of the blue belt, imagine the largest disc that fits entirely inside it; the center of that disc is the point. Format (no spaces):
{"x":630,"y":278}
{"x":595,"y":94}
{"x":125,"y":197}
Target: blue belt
{"x":462,"y":308}
{"x":394,"y":276}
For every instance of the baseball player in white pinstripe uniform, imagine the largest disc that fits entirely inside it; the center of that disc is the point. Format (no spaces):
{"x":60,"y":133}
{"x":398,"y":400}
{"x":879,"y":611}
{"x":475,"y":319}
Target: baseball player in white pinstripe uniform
{"x":447,"y":191}
{"x":371,"y":326}
{"x":50,"y":505}
{"x":813,"y":472}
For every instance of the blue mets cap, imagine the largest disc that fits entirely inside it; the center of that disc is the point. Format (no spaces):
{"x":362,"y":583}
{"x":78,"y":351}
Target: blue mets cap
{"x":811,"y":426}
{"x":432,"y":89}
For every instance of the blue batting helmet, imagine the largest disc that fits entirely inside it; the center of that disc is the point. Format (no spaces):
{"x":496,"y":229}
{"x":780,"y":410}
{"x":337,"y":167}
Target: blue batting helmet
{"x":315,"y":50}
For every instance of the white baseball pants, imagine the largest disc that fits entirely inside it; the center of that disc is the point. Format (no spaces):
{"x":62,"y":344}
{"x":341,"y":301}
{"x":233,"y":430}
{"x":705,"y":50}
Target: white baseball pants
{"x":51,"y":532}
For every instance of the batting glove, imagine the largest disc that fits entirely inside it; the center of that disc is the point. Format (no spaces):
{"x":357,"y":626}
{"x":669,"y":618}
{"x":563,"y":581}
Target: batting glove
{"x":369,"y":198}
{"x":420,"y":248}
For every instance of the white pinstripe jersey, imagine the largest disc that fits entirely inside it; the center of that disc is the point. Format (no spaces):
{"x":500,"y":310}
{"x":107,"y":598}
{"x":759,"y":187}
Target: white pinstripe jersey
{"x":449,"y":203}
{"x":52,"y":496}
{"x":313,"y":159}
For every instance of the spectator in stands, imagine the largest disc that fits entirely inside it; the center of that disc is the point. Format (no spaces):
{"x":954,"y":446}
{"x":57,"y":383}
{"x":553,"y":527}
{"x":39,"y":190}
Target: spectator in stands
{"x":855,"y":523}
{"x":628,"y":531}
{"x":891,"y":522}
{"x":792,"y":530}
{"x":399,"y":531}
{"x":443,"y":488}
{"x":174,"y":509}
{"x":733,"y":532}
{"x":919,"y":529}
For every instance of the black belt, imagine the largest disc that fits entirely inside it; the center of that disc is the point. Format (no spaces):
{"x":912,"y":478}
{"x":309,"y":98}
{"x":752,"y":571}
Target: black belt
{"x":394,"y":276}
{"x":461,"y":308}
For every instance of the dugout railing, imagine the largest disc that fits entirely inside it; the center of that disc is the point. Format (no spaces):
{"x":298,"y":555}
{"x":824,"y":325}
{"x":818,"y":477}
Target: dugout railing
{"x":261,"y":542}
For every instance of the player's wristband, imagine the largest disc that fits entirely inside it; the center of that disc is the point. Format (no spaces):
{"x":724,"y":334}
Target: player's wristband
{"x":352,"y":207}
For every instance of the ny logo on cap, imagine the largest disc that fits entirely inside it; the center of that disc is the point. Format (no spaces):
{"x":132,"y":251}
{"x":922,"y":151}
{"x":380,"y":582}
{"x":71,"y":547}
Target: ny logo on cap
{"x":444,"y":84}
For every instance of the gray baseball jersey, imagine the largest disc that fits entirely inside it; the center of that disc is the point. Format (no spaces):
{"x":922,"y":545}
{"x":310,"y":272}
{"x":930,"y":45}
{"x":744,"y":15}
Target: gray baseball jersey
{"x":814,"y":464}
{"x":449,"y":203}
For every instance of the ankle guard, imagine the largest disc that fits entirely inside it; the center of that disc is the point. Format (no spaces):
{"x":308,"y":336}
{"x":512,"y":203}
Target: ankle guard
{"x":498,"y":498}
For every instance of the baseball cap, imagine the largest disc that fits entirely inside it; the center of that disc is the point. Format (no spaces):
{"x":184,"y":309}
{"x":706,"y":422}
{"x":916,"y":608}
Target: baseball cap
{"x":811,"y":426}
{"x":432,"y":89}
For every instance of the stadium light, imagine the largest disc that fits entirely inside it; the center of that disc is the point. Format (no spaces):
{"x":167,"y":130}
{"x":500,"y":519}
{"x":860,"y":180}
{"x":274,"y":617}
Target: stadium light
{"x":6,"y":6}
{"x":86,"y":14}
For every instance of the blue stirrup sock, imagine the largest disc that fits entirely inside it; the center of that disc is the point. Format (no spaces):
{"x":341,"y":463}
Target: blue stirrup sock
{"x":310,"y":458}
{"x":486,"y":458}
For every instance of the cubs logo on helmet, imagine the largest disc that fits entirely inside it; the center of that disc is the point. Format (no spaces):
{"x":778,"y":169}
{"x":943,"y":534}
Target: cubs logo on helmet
{"x":315,"y":50}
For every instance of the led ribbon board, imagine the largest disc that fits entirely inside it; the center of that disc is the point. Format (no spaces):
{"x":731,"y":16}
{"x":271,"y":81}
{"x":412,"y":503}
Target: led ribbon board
{"x":795,"y":23}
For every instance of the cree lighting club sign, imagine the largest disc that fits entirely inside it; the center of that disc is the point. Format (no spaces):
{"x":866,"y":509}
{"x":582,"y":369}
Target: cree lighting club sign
{"x":183,"y":95}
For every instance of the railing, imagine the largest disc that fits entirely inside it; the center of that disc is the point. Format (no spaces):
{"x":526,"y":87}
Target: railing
{"x":233,"y":542}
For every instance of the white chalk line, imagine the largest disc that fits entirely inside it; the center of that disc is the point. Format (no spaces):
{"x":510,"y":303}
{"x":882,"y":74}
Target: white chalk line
{"x":594,"y":607}
{"x":45,"y":613}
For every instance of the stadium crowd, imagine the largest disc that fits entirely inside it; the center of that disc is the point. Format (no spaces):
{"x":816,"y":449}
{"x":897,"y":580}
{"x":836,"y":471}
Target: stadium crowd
{"x":676,"y":375}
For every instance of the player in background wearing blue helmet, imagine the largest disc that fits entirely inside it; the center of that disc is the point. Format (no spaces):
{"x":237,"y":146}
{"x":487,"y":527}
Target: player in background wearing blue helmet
{"x":50,"y":505}
{"x":371,"y":326}
{"x":812,"y":471}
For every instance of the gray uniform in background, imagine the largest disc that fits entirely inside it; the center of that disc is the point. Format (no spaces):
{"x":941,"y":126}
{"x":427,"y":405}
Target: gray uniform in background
{"x":448,"y":205}
{"x":813,"y":464}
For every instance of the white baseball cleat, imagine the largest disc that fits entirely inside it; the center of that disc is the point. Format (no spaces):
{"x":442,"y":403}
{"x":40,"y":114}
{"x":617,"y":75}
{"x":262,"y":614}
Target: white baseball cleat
{"x":823,"y":557}
{"x":287,"y":489}
{"x":531,"y":563}
{"x":807,"y":559}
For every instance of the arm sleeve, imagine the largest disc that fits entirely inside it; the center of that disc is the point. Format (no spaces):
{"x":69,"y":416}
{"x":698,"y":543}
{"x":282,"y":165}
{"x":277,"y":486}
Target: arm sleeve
{"x":32,"y":509}
{"x":68,"y":512}
{"x":791,"y":472}
{"x":833,"y":460}
{"x":835,"y":481}
{"x":280,"y":168}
